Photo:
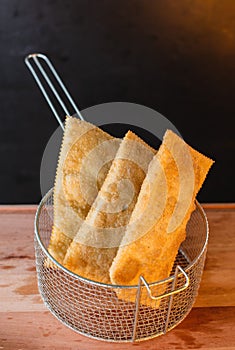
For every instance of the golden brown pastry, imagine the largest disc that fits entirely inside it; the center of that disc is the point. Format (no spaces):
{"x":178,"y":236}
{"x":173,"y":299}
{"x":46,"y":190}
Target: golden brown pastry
{"x":85,"y":158}
{"x":158,"y":223}
{"x":92,"y":251}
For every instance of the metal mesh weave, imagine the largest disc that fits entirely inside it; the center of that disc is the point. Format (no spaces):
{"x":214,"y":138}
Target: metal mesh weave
{"x":94,"y":309}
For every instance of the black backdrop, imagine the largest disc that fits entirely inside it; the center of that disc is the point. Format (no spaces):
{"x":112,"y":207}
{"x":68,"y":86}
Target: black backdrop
{"x":177,"y":57}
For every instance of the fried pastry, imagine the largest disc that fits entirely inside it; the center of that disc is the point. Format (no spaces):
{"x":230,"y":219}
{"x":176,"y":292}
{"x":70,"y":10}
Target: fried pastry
{"x":85,"y":158}
{"x":93,"y":248}
{"x":158,"y":222}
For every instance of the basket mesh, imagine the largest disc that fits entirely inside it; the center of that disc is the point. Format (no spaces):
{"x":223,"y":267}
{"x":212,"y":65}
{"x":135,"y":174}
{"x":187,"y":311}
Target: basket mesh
{"x":93,"y":309}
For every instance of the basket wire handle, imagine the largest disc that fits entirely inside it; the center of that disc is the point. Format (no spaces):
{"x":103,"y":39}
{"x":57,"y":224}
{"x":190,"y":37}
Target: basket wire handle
{"x":142,"y":281}
{"x":35,"y":58}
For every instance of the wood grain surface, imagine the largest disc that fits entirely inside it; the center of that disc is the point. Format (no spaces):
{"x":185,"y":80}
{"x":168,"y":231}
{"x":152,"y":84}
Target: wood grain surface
{"x":25,"y":323}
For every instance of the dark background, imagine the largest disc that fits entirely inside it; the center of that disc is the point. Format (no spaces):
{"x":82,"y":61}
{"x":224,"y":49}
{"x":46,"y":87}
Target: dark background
{"x":177,"y":57}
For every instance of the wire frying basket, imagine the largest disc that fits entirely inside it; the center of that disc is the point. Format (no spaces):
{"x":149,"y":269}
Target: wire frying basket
{"x":95,"y":310}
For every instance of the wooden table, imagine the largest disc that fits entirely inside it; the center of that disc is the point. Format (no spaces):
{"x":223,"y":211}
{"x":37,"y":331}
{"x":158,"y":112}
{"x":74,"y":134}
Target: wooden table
{"x":25,"y":323}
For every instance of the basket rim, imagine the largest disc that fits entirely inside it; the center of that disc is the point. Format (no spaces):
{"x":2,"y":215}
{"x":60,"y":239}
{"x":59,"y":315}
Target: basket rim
{"x":109,"y":285}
